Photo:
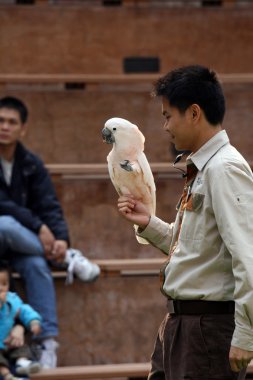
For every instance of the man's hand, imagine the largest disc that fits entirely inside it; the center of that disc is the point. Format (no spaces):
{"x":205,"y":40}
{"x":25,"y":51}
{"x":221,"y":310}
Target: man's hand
{"x":16,"y":337}
{"x":239,"y":358}
{"x":47,"y":239}
{"x":133,"y":210}
{"x":59,"y":250}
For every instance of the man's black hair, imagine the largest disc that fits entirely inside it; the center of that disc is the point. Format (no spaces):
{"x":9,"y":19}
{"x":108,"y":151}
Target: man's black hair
{"x":194,"y":84}
{"x":17,"y":105}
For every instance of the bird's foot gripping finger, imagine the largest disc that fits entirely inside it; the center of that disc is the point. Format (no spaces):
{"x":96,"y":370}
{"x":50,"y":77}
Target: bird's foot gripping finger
{"x":126,"y":165}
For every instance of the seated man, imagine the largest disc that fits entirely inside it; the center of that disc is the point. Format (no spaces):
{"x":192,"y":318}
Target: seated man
{"x":33,"y":230}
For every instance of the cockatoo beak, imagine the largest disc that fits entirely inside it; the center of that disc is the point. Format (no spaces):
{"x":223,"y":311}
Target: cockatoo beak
{"x":107,"y":136}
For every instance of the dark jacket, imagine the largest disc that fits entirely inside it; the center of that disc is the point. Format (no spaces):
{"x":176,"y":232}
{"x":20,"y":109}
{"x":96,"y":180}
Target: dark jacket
{"x":31,"y":198}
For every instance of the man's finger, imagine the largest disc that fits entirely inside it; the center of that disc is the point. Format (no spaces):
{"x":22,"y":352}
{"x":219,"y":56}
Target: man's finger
{"x":234,"y":365}
{"x":238,"y":365}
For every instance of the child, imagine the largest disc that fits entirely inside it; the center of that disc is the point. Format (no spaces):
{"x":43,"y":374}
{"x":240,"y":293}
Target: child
{"x":12,"y":311}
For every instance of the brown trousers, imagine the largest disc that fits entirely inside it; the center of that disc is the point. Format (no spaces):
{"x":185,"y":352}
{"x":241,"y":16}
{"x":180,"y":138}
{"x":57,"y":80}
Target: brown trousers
{"x":8,"y":356}
{"x":194,"y":347}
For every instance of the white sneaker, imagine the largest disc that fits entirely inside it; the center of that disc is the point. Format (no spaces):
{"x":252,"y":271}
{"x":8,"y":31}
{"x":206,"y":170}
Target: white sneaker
{"x":80,"y":266}
{"x":25,"y":366}
{"x":48,"y":357}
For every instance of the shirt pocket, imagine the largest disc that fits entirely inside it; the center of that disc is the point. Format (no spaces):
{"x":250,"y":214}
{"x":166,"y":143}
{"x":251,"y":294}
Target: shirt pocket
{"x":192,"y":224}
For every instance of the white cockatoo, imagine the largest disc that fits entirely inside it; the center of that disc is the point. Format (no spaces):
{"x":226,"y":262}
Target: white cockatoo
{"x":128,"y":166}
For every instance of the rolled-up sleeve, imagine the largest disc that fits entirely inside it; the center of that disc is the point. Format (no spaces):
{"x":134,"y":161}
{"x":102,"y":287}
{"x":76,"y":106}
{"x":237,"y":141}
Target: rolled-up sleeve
{"x":158,"y":233}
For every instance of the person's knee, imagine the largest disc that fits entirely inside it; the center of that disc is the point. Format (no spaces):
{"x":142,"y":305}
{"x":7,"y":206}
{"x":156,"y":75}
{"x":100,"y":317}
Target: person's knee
{"x":7,"y":223}
{"x":7,"y":228}
{"x":36,"y":263}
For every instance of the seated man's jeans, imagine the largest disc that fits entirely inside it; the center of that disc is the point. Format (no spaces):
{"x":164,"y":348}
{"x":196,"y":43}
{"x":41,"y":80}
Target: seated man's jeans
{"x":27,"y":258}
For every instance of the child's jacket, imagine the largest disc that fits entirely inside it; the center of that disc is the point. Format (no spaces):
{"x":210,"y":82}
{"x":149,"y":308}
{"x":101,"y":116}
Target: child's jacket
{"x":14,"y":309}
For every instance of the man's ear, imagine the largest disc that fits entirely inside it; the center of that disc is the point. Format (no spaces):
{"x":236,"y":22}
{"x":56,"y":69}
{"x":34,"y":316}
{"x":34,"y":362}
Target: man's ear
{"x":195,"y":112}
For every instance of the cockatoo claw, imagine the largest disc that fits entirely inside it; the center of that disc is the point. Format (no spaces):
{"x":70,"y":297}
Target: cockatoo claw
{"x":126,"y":165}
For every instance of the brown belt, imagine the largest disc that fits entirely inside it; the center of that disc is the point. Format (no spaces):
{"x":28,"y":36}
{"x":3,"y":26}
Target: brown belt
{"x":200,"y":307}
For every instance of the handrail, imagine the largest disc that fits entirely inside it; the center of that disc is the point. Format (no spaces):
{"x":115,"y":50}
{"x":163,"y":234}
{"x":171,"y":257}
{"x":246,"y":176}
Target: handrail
{"x":106,"y":78}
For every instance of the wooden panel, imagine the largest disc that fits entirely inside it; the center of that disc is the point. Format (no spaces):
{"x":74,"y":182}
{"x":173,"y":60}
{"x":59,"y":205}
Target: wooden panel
{"x":97,"y":228}
{"x":96,"y":39}
{"x":109,"y":320}
{"x":65,"y":126}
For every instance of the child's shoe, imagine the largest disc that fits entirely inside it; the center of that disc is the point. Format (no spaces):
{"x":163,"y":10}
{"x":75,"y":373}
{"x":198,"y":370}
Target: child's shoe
{"x":80,"y":266}
{"x":25,"y":366}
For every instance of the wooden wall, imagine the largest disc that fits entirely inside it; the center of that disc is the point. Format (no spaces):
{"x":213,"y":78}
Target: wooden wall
{"x":65,"y":126}
{"x":58,"y":39}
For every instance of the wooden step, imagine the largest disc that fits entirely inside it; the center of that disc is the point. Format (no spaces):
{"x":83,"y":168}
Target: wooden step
{"x":100,"y":170}
{"x":106,"y":78}
{"x":103,"y":371}
{"x":120,"y":267}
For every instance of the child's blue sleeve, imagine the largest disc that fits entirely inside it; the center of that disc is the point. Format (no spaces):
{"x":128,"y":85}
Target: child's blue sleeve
{"x":28,"y":314}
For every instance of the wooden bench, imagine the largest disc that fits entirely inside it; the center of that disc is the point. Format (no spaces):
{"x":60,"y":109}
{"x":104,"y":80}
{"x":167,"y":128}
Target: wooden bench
{"x":106,"y":78}
{"x":100,"y":171}
{"x":120,"y":267}
{"x":103,"y":371}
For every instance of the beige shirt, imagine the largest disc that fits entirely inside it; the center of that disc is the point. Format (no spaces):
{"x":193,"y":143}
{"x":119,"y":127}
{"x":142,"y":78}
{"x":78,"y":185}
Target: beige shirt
{"x":213,"y":259}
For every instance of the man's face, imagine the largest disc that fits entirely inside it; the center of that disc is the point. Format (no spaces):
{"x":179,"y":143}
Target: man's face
{"x":179,"y":126}
{"x":11,"y":127}
{"x":4,"y":287}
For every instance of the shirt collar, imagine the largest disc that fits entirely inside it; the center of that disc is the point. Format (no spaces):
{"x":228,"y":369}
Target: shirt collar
{"x":203,"y":155}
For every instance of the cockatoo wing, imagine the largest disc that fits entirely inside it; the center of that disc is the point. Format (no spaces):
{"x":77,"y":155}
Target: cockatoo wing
{"x":148,"y":180}
{"x":148,"y":177}
{"x":111,"y":173}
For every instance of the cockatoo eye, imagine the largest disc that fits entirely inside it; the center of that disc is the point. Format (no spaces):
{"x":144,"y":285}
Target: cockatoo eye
{"x":114,"y":129}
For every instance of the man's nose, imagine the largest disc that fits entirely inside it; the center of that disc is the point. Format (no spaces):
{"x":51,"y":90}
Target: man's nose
{"x":4,"y":125}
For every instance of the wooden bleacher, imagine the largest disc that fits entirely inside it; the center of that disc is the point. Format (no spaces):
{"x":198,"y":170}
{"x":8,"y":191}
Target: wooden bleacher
{"x":95,"y":79}
{"x":125,"y":370}
{"x":85,"y":49}
{"x":72,"y":82}
{"x":48,"y":122}
{"x":119,"y":267}
{"x":100,"y":322}
{"x":103,"y":371}
{"x":89,"y":202}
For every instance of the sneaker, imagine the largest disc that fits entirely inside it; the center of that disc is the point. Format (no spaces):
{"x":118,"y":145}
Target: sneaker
{"x":48,"y":358}
{"x":80,"y":266}
{"x":25,"y":366}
